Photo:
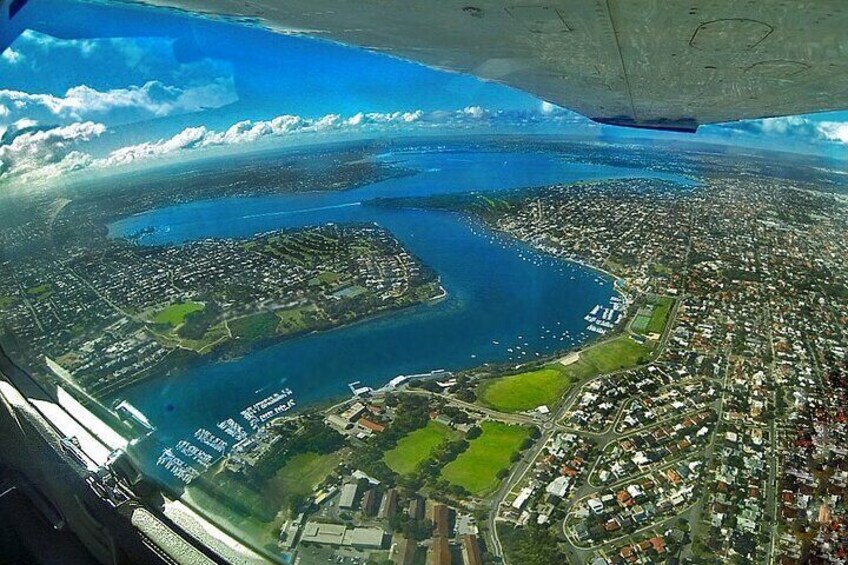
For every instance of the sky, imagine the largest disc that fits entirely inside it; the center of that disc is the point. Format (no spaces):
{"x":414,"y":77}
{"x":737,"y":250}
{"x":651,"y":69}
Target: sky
{"x":142,"y":85}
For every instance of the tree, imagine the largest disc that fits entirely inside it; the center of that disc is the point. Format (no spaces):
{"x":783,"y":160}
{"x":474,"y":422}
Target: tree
{"x":296,"y":502}
{"x":533,"y":545}
{"x":466,"y":395}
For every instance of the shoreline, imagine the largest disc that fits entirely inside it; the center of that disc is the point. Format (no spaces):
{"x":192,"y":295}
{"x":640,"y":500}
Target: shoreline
{"x":505,"y":367}
{"x":220,"y":355}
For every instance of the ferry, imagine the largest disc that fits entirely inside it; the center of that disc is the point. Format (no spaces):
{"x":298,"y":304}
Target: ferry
{"x":358,"y":390}
{"x":132,"y":413}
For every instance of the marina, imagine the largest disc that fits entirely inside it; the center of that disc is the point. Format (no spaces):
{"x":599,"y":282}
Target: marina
{"x":187,"y":458}
{"x":602,"y":318}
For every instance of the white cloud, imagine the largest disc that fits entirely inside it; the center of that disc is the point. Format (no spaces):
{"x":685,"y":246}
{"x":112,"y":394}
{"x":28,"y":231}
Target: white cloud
{"x":803,"y":128}
{"x":47,"y":154}
{"x":187,"y":139}
{"x":25,"y":123}
{"x":248,"y":131}
{"x":12,"y":57}
{"x":548,"y":108}
{"x":474,"y":111}
{"x":781,"y":125}
{"x":85,"y":47}
{"x":152,"y":99}
{"x":42,"y":154}
{"x":834,"y":131}
{"x":361,"y":118}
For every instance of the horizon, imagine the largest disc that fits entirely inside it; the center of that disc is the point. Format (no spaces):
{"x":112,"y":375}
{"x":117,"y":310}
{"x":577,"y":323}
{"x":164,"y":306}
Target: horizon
{"x":181,"y":92}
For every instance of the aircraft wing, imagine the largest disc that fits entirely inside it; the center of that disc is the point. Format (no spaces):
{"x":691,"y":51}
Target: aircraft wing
{"x":667,"y":64}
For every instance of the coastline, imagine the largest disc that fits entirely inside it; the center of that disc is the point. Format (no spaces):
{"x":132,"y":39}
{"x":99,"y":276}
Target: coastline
{"x":227,"y":353}
{"x":591,"y":341}
{"x":232,"y":351}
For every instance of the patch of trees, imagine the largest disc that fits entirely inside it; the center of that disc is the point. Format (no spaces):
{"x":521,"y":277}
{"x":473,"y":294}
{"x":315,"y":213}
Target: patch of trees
{"x":196,"y":324}
{"x":466,"y":395}
{"x":314,"y":437}
{"x":464,"y":389}
{"x":443,"y":490}
{"x":531,"y":545}
{"x":428,"y":385}
{"x":411,"y":413}
{"x":412,"y":528}
{"x":430,"y":470}
{"x":458,"y":415}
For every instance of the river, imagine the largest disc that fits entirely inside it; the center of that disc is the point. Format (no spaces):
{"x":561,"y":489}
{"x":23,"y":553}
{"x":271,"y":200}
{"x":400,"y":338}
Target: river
{"x":505,"y":302}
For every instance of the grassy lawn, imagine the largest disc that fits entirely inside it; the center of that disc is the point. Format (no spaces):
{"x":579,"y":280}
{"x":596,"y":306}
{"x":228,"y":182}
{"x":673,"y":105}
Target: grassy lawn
{"x":216,"y":334}
{"x":300,"y":475}
{"x":417,"y":446}
{"x":614,"y":266}
{"x":660,"y":315}
{"x":614,"y":355}
{"x":329,"y":277}
{"x":477,"y":467}
{"x":40,"y":289}
{"x":260,"y":512}
{"x":255,"y":326}
{"x":295,"y":319}
{"x":525,"y":391}
{"x":640,"y":324}
{"x":175,"y":314}
{"x":619,"y":353}
{"x":661,"y":269}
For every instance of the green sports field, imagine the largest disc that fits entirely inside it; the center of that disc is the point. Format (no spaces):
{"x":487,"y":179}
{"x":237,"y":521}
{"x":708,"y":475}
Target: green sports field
{"x":416,"y":446}
{"x":476,"y":468}
{"x":613,"y":355}
{"x":660,"y":315}
{"x":525,"y":391}
{"x":175,"y":314}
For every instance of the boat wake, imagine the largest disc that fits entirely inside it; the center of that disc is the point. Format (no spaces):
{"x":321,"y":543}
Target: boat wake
{"x":301,"y":211}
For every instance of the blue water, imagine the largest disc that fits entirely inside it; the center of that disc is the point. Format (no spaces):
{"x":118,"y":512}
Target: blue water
{"x":501,"y":294}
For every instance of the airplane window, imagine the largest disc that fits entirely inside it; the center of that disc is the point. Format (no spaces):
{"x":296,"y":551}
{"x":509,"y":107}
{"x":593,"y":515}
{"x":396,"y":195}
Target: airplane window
{"x":353,"y":308}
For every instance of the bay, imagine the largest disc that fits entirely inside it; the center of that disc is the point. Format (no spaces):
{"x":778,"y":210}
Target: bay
{"x":505,"y":302}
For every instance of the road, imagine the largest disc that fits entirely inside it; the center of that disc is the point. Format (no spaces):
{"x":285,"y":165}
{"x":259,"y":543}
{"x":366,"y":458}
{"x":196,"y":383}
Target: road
{"x":522,"y":419}
{"x":551,"y":426}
